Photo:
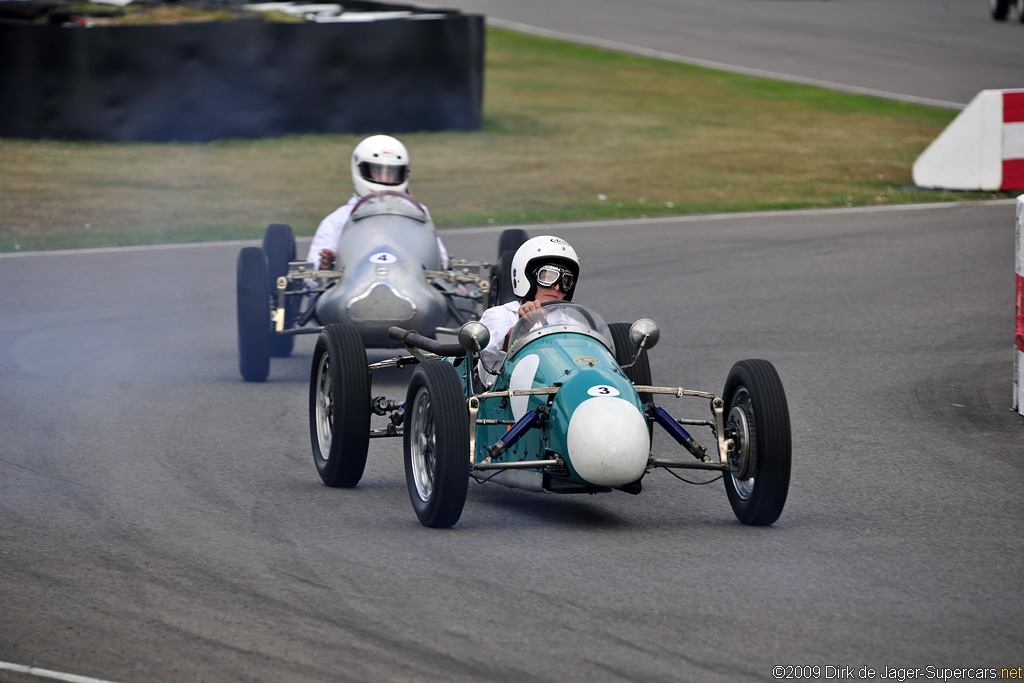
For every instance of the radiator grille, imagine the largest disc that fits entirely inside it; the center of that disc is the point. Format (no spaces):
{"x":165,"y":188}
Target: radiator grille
{"x":380,"y":303}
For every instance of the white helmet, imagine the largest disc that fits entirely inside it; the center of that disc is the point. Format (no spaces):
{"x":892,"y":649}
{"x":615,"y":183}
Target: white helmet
{"x":380,"y":162}
{"x":537,"y":252}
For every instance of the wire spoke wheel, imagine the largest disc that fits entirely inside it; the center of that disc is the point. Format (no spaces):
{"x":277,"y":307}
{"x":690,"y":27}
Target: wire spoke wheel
{"x":423,"y":445}
{"x":339,"y":406}
{"x":324,"y":405}
{"x":436,"y":444}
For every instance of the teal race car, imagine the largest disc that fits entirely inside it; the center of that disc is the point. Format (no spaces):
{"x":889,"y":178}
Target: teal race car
{"x":572,"y":410}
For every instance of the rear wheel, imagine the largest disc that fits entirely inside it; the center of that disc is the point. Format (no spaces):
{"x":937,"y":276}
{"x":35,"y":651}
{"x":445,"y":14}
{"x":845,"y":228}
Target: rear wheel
{"x":508,"y":243}
{"x":253,"y":315}
{"x":279,"y":245}
{"x":999,"y":9}
{"x":436,"y":444}
{"x":511,"y":240}
{"x":339,"y":405}
{"x":757,"y":419}
{"x":503,"y":286}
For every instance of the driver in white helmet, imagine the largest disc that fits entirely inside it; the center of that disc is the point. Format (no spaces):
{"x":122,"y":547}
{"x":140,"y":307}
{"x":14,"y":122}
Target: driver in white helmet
{"x":380,"y":162}
{"x":543,"y":269}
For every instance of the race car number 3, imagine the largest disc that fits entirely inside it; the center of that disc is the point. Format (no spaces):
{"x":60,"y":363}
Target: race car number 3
{"x":383,"y":257}
{"x":602,"y":390}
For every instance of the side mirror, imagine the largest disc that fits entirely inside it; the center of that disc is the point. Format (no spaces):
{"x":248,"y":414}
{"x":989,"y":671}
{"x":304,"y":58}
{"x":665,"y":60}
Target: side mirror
{"x":474,"y":336}
{"x":644,"y":334}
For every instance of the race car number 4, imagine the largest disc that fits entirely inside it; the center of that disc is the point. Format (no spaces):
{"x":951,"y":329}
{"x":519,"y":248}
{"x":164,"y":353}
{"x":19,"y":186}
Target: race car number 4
{"x":383,"y":257}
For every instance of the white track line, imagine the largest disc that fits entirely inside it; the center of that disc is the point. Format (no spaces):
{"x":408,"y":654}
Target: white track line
{"x":721,"y":66}
{"x":485,"y":229}
{"x":46,"y":673}
{"x":702,"y":217}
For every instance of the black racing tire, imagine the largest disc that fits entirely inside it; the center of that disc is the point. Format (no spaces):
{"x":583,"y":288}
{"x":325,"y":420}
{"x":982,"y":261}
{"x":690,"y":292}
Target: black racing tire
{"x":757,"y":419}
{"x":279,"y":245}
{"x":1020,"y":11}
{"x":508,"y":243}
{"x":640,"y":373}
{"x":436,"y":444}
{"x":999,"y":9}
{"x":253,"y":315}
{"x":503,"y":286}
{"x":511,"y":240}
{"x":339,"y":405}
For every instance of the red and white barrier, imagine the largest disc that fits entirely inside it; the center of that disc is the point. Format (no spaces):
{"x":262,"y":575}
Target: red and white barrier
{"x":1018,"y":336}
{"x":982,"y":149}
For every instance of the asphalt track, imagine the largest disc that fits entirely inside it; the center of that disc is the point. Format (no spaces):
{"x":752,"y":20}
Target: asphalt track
{"x":163,"y":521}
{"x":939,"y":52}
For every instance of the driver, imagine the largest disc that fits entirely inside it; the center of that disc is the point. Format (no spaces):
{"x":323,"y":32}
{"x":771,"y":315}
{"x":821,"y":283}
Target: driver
{"x":380,"y":162}
{"x":543,"y":269}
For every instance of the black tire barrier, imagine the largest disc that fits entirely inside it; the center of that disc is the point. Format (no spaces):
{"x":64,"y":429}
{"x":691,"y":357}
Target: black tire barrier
{"x":241,"y":79}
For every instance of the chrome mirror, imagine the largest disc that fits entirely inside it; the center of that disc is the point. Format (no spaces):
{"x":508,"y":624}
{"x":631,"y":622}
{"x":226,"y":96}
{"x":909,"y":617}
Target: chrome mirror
{"x":644,"y":333}
{"x":474,"y":336}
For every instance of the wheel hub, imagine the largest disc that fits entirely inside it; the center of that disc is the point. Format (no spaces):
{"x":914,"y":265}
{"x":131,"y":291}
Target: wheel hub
{"x":324,"y":407}
{"x":422,"y":455}
{"x":743,"y":456}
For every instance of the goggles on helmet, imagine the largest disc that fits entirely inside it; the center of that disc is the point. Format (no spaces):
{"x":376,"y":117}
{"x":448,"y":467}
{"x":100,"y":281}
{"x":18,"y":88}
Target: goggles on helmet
{"x":549,"y":276}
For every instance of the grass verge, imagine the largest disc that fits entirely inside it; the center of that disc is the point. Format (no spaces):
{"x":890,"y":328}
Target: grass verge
{"x":570,"y":132}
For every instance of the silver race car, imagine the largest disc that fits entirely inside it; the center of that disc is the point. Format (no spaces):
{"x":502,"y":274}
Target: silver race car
{"x":387,"y":272}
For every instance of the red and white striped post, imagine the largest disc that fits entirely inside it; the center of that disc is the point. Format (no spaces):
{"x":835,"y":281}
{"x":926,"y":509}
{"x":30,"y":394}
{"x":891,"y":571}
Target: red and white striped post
{"x":1018,"y":336}
{"x":1013,"y":140}
{"x":982,"y":149}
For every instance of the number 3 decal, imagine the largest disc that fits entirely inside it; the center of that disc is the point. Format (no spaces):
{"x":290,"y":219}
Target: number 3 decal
{"x":603,"y":390}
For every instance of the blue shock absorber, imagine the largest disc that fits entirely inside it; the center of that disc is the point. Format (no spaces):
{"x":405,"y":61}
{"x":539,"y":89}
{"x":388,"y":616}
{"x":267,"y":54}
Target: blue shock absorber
{"x":515,"y":433}
{"x":662,"y":417}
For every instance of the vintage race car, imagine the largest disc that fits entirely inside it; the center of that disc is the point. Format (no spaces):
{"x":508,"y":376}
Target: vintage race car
{"x":572,"y":411}
{"x":387,"y":273}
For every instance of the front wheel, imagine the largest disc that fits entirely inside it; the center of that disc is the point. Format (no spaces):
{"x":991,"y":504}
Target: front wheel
{"x":339,"y":405}
{"x":253,"y":315}
{"x":436,"y":444}
{"x":757,"y":420}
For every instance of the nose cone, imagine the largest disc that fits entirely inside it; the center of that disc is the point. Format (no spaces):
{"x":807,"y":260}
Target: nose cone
{"x":608,"y":441}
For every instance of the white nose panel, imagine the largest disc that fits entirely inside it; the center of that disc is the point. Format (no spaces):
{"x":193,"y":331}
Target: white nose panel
{"x":608,"y":441}
{"x":522,"y":378}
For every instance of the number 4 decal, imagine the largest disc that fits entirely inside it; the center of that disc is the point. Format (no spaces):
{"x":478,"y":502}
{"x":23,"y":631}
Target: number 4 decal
{"x":383,"y":257}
